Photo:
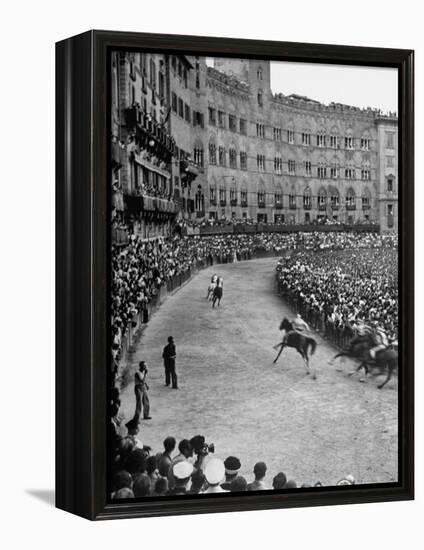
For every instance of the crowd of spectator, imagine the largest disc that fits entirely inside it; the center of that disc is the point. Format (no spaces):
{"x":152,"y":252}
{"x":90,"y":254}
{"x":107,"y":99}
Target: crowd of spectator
{"x":345,"y":278}
{"x":351,"y":282}
{"x":138,"y":472}
{"x":140,"y":268}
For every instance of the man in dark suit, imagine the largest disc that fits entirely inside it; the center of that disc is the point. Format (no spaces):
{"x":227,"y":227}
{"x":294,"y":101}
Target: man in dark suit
{"x":169,"y":354}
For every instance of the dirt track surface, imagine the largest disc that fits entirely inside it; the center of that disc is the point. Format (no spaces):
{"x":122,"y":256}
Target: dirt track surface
{"x":231,"y":392}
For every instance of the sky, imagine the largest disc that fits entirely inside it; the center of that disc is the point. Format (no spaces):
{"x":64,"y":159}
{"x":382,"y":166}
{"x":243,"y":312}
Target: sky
{"x":358,"y":86}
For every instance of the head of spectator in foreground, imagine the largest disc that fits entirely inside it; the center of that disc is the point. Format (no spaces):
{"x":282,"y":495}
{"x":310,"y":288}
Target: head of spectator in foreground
{"x":133,"y":426}
{"x":182,"y":472}
{"x":142,"y":366}
{"x":136,"y":461}
{"x":348,"y":480}
{"x":259,"y":470}
{"x":238,"y":484}
{"x":291,"y":484}
{"x":232,"y":466}
{"x":151,"y":465}
{"x":279,"y":481}
{"x":214,"y":471}
{"x":169,"y":444}
{"x":161,"y":486}
{"x":121,"y":480}
{"x":123,"y":493}
{"x":170,"y":339}
{"x":142,"y":486}
{"x":197,"y":482}
{"x":185,"y":448}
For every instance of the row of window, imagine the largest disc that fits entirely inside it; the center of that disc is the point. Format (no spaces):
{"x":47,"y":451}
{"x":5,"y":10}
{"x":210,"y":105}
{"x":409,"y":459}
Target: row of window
{"x":183,"y":110}
{"x":276,"y":199}
{"x":322,"y":172}
{"x":224,"y":121}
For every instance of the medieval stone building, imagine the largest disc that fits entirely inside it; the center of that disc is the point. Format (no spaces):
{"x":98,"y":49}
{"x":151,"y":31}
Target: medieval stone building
{"x":198,"y":142}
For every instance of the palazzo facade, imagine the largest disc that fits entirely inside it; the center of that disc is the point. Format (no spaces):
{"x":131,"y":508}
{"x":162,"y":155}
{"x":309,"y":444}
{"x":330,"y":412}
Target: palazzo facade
{"x":197,"y":142}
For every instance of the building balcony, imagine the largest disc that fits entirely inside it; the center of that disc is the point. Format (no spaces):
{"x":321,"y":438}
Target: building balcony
{"x":350,"y":206}
{"x":261,"y":204}
{"x":292,"y":206}
{"x":322,"y":207}
{"x":223,"y":202}
{"x":366,"y":207}
{"x":307,"y":207}
{"x":233,"y":202}
{"x":244,"y":204}
{"x":212,"y":202}
{"x":335,"y":206}
{"x":278,"y":205}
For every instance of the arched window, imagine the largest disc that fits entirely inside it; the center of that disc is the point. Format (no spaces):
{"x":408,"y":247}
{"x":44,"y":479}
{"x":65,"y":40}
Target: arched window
{"x":261,"y":195}
{"x":212,"y":152}
{"x":260,"y":98}
{"x":233,"y":192}
{"x":349,"y":141}
{"x":321,"y":138}
{"x":322,"y":169}
{"x":350,"y":199}
{"x":390,"y":182}
{"x":307,"y":199}
{"x":322,"y":199}
{"x":366,"y":170}
{"x":198,"y":153}
{"x":212,"y":194}
{"x":222,"y":195}
{"x":365,"y":142}
{"x":243,"y":194}
{"x":366,"y":199}
{"x":221,"y":155}
{"x":350,"y":170}
{"x":232,"y":154}
{"x":260,"y":73}
{"x":278,"y":196}
{"x":334,"y":198}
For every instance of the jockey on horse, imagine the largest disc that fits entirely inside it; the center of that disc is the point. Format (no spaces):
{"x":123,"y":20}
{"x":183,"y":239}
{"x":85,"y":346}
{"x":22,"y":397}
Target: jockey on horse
{"x":212,"y":286}
{"x":381,"y":339}
{"x":299,"y":325}
{"x":218,"y":291}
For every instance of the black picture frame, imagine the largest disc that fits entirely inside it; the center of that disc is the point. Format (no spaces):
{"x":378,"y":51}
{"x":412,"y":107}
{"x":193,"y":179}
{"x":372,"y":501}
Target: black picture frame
{"x":82,"y":272}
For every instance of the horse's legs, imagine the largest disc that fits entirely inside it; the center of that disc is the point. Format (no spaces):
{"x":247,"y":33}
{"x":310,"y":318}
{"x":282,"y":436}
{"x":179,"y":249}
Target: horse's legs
{"x":279,"y":353}
{"x":389,"y":375}
{"x":340,"y":354}
{"x":366,"y":370}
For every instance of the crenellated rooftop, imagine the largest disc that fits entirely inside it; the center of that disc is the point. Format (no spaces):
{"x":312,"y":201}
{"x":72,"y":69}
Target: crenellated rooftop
{"x":303,"y":102}
{"x":228,"y":80}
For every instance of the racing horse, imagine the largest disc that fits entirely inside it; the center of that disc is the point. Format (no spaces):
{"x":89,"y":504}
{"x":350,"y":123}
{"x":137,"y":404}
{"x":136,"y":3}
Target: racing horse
{"x":218,"y":291}
{"x":300,"y":342}
{"x":359,"y":349}
{"x":211,"y":289}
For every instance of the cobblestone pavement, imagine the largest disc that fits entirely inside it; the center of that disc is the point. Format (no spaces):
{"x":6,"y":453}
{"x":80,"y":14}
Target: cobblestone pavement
{"x":231,"y":392}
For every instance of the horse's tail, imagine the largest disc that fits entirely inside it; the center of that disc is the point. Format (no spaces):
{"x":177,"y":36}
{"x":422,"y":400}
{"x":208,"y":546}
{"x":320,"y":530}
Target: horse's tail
{"x":312,"y":344}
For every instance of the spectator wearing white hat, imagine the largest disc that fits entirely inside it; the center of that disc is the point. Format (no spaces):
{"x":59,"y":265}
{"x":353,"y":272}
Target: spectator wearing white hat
{"x":181,"y":474}
{"x":232,"y":466}
{"x":214,"y":473}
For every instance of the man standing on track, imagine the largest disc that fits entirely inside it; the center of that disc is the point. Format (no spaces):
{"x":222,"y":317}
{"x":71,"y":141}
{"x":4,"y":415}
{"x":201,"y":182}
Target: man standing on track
{"x":140,"y":390}
{"x":169,"y":354}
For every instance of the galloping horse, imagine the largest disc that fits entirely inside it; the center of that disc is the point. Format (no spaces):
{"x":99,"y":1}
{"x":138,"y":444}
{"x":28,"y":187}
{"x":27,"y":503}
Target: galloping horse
{"x":211,"y":289}
{"x":360,"y":347}
{"x":296,"y":340}
{"x":218,"y":291}
{"x":212,"y":286}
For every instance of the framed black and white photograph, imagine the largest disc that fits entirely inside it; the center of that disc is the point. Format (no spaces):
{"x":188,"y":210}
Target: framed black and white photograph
{"x":234,"y":274}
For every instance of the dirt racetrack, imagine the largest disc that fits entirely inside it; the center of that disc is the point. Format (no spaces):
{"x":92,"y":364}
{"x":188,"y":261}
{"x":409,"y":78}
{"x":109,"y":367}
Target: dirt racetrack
{"x":231,"y":392}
